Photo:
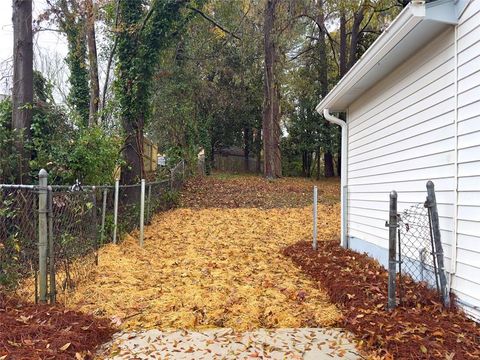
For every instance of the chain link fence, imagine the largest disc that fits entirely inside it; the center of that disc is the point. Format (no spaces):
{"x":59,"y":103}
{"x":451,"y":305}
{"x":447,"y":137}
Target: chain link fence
{"x":18,"y":234}
{"x":80,"y":219}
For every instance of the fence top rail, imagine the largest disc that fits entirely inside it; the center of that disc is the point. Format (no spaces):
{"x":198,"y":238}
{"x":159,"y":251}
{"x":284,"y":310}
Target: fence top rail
{"x":18,"y":186}
{"x":85,"y":187}
{"x":159,"y":182}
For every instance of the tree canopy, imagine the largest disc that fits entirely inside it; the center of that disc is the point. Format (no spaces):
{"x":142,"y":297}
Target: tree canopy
{"x":208,"y":74}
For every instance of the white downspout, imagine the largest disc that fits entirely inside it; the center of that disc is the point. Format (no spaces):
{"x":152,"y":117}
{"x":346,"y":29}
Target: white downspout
{"x":343,"y":183}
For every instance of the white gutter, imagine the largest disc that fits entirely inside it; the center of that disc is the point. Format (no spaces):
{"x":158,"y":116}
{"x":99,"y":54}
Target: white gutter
{"x":416,"y":25}
{"x":343,"y":175}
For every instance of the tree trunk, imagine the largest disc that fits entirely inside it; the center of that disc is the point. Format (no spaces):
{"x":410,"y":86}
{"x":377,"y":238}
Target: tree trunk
{"x":323,"y":78}
{"x":357,"y":21}
{"x":328,"y":163}
{"x":247,"y":134}
{"x":92,"y":59}
{"x":304,"y":163}
{"x":134,"y":170}
{"x":271,"y":106}
{"x":22,"y":95}
{"x":322,"y":52}
{"x":258,"y":150}
{"x":318,"y":163}
{"x":343,"y":45}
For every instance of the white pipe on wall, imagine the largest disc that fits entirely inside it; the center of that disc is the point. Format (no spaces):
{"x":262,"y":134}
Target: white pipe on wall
{"x":343,"y":183}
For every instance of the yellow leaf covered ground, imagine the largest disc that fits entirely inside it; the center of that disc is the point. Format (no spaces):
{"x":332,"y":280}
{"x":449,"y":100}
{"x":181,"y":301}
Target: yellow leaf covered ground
{"x":212,"y":267}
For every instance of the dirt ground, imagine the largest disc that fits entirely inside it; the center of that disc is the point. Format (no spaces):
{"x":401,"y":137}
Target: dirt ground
{"x":217,"y":261}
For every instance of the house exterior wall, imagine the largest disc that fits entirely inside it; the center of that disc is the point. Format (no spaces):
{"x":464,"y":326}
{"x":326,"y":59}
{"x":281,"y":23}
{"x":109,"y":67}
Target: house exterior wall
{"x":405,"y":131}
{"x":401,"y":134}
{"x":466,"y":281}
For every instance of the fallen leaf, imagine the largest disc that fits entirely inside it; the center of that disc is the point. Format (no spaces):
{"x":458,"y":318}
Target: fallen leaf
{"x":65,"y":347}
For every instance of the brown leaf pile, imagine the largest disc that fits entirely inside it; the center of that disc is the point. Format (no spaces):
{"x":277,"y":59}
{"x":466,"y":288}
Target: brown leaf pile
{"x":212,"y":268}
{"x":30,"y":332}
{"x":249,"y":191}
{"x":420,"y":329}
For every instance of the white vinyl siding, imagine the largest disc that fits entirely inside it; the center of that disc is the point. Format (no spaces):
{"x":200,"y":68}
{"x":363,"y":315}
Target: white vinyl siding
{"x":466,"y":281}
{"x":402,"y":134}
{"x":422,"y":122}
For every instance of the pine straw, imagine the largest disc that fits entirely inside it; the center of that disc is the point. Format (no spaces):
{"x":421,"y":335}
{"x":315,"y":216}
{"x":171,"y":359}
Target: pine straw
{"x":212,"y":268}
{"x":419,"y":329}
{"x":30,"y":332}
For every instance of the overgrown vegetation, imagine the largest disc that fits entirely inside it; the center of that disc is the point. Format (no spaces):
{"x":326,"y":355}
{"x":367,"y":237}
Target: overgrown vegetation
{"x":66,"y":149}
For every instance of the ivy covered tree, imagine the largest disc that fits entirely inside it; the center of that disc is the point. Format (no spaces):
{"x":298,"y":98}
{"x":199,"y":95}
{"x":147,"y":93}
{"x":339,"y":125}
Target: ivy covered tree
{"x":144,"y":30}
{"x":70,"y":16}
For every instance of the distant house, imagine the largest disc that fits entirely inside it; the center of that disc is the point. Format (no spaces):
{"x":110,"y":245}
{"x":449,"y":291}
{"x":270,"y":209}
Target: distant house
{"x":412,"y":105}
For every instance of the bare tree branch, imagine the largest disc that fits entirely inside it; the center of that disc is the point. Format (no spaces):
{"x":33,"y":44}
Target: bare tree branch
{"x":208,"y":18}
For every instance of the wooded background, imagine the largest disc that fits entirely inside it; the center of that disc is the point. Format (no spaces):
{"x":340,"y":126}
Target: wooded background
{"x":190,"y":74}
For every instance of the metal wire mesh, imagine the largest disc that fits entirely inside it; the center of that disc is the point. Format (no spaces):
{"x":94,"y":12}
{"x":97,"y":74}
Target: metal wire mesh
{"x":80,"y":220}
{"x":415,"y":244}
{"x":128,"y":209}
{"x":18,"y":235}
{"x":75,"y":233}
{"x":177,"y":176}
{"x":158,"y":198}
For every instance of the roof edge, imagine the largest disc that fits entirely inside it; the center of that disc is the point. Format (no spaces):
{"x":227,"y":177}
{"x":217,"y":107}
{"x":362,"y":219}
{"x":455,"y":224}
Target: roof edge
{"x":441,"y":11}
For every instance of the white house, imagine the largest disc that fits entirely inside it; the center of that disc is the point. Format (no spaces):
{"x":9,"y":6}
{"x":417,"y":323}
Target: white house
{"x":412,"y":105}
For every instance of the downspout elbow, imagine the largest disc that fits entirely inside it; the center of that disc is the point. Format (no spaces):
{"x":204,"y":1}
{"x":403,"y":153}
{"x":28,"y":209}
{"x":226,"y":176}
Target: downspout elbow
{"x":333,"y":119}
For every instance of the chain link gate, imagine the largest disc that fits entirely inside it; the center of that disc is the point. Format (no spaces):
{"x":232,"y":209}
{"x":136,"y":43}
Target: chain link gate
{"x":415,"y":248}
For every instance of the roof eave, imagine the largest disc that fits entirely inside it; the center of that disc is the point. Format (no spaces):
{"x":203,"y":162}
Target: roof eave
{"x":402,"y":29}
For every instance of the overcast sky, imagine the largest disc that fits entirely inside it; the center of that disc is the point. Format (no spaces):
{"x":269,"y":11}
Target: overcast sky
{"x":47,"y":44}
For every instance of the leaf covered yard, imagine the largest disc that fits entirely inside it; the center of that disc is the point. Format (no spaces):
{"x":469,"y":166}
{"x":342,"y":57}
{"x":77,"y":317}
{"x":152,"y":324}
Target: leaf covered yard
{"x":217,"y":267}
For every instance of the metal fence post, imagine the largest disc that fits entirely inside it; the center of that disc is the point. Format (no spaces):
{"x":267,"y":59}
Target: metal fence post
{"x":392,"y":245}
{"x":431,"y":204}
{"x":142,"y":210}
{"x":104,"y":210}
{"x":42,"y":235}
{"x":51,"y":248}
{"x":315,"y":202}
{"x":95,"y":221}
{"x":115,"y":211}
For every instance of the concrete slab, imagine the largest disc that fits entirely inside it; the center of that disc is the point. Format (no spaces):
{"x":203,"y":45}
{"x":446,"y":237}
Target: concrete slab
{"x":303,"y":343}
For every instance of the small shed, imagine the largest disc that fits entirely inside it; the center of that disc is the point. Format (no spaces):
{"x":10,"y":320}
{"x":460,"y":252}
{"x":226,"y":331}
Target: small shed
{"x":412,"y":105}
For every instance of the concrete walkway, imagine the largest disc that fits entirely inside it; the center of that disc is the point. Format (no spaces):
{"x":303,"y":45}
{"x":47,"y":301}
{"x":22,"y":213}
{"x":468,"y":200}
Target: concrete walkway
{"x":304,"y":343}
